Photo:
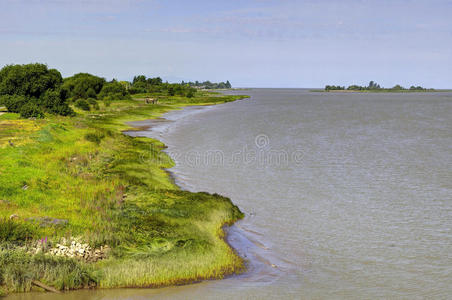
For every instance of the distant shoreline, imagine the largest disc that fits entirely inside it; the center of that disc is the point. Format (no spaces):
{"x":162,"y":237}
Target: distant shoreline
{"x":381,"y":91}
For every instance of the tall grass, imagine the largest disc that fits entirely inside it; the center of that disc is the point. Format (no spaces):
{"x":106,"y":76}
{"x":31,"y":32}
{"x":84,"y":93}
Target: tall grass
{"x":112,"y":189}
{"x":18,"y":269}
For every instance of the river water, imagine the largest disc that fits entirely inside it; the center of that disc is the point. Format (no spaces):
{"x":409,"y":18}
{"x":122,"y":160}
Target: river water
{"x":346,"y":195}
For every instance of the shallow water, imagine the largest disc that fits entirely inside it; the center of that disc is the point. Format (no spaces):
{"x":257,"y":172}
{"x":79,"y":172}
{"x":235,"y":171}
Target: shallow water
{"x":346,"y":195}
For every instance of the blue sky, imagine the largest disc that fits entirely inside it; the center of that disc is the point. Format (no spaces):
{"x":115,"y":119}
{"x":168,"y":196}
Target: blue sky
{"x":252,"y":43}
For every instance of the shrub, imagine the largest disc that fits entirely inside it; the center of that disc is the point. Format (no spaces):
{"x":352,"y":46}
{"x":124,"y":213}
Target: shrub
{"x":13,"y":103}
{"x":31,"y":110}
{"x":82,"y":104}
{"x":55,"y":102}
{"x":83,"y":85}
{"x":94,"y":137}
{"x":114,"y":90}
{"x":91,"y":101}
{"x":16,"y":231}
{"x":191,"y":93}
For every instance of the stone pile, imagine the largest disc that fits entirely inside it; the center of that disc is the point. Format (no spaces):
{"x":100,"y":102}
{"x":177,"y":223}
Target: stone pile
{"x":76,"y":249}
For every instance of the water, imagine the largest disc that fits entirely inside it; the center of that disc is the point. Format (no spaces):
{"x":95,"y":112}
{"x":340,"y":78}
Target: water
{"x":347,"y":196}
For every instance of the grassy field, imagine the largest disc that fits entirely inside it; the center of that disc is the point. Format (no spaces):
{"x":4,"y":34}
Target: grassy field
{"x":108,"y":189}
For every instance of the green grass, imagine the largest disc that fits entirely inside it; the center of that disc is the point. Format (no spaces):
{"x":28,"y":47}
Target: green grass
{"x":113,"y":190}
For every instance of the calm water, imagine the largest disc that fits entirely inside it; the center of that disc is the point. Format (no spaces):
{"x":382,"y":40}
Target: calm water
{"x":346,"y":195}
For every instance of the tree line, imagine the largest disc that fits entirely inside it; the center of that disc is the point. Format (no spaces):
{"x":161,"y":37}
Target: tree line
{"x":373,"y":86}
{"x":142,"y":84}
{"x":209,"y":85}
{"x":32,"y":90}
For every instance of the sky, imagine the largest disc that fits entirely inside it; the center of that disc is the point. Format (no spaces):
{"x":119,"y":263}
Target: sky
{"x":252,"y":43}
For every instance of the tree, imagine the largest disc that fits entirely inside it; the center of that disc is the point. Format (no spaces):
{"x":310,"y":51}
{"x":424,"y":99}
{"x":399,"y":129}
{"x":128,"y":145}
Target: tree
{"x":171,"y":91}
{"x":139,"y":78}
{"x":30,"y":80}
{"x":113,"y":90}
{"x":373,"y":85}
{"x":191,"y":93}
{"x":55,"y":103}
{"x":31,"y":110}
{"x":32,"y":90}
{"x":155,"y":81}
{"x":398,"y":87}
{"x":83,"y":85}
{"x":13,"y":103}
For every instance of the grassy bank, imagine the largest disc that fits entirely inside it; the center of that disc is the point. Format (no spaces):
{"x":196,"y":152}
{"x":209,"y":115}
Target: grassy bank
{"x":65,"y":177}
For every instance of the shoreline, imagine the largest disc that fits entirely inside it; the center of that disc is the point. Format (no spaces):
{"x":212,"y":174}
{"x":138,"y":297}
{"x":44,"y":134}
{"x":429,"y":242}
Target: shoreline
{"x":380,"y":91}
{"x":218,"y":261}
{"x":246,"y":243}
{"x":225,"y":228}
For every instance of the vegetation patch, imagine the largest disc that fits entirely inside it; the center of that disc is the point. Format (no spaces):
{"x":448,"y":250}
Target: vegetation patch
{"x":78,"y":176}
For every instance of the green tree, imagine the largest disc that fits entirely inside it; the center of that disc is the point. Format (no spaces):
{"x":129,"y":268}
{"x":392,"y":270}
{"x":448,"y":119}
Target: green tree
{"x":171,"y":91}
{"x":83,"y":85}
{"x":82,"y":104}
{"x":31,"y":110}
{"x":139,"y":78}
{"x":191,"y":92}
{"x":30,"y":80}
{"x":398,"y":87}
{"x":114,"y":91}
{"x":32,"y":89}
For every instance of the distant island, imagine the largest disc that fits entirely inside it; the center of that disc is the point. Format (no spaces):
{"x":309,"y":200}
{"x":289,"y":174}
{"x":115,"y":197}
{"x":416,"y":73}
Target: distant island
{"x":375,"y":87}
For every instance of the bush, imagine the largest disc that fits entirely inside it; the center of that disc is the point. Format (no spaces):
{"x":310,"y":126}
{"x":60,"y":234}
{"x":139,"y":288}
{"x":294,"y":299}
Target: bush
{"x":55,"y":102}
{"x":16,"y":231}
{"x":94,"y":137}
{"x":91,"y":101}
{"x":83,"y":85}
{"x":115,"y":91}
{"x":82,"y":104}
{"x":31,"y":110}
{"x":13,"y":103}
{"x":191,"y":93}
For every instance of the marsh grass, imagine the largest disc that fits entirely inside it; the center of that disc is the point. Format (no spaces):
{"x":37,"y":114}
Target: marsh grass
{"x":18,"y":269}
{"x":113,"y":189}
